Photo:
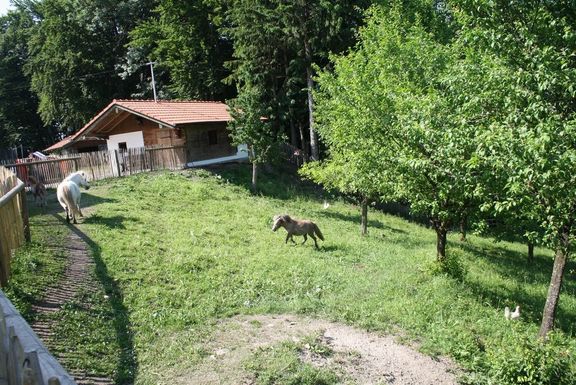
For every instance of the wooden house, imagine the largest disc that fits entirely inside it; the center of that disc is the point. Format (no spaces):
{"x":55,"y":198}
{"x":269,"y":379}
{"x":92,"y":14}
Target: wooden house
{"x":198,"y":126}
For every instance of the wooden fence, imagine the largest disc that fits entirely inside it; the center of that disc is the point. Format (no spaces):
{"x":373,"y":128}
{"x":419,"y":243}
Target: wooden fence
{"x":50,"y":172}
{"x":24,"y":360}
{"x":14,"y":227}
{"x":103,"y":164}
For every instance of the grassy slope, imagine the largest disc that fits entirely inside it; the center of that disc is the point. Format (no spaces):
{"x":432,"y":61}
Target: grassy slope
{"x":179,"y":250}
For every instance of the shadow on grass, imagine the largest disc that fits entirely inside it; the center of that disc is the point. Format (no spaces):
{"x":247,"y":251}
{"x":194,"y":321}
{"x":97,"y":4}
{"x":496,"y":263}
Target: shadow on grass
{"x":355,"y":218}
{"x":328,"y":248}
{"x":128,"y":363}
{"x":114,"y":222}
{"x":277,"y":182}
{"x":87,"y":199}
{"x":514,"y":267}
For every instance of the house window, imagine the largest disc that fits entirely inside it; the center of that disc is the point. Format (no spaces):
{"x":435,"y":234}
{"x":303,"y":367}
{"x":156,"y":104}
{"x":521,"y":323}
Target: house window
{"x":122,"y":146}
{"x":212,"y":137}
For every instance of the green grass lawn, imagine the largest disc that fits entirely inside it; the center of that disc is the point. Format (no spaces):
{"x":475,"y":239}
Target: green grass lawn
{"x":176,"y":251}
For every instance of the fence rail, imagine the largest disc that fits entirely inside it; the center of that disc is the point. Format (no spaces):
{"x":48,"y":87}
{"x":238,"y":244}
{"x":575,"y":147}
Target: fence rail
{"x":23,"y":358}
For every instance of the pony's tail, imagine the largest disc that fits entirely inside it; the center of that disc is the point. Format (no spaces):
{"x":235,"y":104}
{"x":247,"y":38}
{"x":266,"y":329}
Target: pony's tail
{"x":318,"y":232}
{"x":67,"y":201}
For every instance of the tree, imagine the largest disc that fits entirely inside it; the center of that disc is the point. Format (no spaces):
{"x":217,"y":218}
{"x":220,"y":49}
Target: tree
{"x":184,"y":38}
{"x":75,"y":49}
{"x":399,"y":100}
{"x":316,"y":28}
{"x":259,"y":71}
{"x":354,"y":162}
{"x":278,"y":43}
{"x":19,"y":122}
{"x":531,"y":148}
{"x":251,"y":128}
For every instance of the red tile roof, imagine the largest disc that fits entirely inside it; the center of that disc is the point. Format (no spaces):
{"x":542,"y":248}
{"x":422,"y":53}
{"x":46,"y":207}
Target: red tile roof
{"x":170,"y":113}
{"x":60,"y":144}
{"x":178,"y":112}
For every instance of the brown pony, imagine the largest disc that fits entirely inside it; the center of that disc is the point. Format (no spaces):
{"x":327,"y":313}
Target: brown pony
{"x":38,"y":190}
{"x":297,"y":227}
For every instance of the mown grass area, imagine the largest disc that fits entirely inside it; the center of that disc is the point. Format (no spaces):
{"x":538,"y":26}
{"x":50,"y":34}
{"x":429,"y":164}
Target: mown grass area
{"x":37,"y":264}
{"x":176,"y":251}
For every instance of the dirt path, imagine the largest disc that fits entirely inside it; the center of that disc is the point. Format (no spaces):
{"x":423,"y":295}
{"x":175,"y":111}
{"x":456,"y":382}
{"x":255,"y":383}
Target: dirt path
{"x":361,"y":357}
{"x":76,"y":278}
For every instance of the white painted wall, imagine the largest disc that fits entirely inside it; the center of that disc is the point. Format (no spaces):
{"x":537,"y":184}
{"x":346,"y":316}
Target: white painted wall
{"x":132,"y":139}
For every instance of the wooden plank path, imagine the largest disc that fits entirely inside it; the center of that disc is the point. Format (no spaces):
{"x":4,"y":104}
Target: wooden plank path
{"x":76,"y":279}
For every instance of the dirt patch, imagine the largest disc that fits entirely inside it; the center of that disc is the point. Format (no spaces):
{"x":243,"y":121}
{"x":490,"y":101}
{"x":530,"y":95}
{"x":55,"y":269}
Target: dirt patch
{"x":362,"y":357}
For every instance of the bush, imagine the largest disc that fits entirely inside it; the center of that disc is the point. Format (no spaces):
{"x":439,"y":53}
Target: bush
{"x":451,"y":265}
{"x":526,"y":361}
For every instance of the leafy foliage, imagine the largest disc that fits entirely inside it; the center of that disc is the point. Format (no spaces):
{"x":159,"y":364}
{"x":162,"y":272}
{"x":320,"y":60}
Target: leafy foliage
{"x":389,"y":110}
{"x":526,"y":361}
{"x":19,"y":123}
{"x":185,"y":39}
{"x":74,"y":50}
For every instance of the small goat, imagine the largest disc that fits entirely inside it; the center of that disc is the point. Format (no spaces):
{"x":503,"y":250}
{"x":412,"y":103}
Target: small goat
{"x":38,"y":190}
{"x":297,"y":227}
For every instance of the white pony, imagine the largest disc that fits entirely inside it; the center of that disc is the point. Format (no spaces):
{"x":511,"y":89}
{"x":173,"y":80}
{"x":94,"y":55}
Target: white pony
{"x":68,"y":193}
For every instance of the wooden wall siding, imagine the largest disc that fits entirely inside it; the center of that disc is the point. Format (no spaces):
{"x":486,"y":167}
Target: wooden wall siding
{"x":14,"y":228}
{"x":137,"y":160}
{"x":151,"y":131}
{"x":97,"y":164}
{"x":197,"y":141}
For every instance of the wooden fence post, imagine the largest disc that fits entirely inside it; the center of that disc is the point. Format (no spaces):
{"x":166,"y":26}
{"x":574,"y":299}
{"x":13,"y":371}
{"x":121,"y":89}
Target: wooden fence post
{"x":25,"y":216}
{"x":117,"y":163}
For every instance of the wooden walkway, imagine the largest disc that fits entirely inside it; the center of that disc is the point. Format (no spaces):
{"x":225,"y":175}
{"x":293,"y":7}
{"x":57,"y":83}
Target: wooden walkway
{"x":76,"y":279}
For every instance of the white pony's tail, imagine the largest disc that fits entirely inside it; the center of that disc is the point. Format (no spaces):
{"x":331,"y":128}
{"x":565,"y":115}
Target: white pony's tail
{"x":66,"y":192}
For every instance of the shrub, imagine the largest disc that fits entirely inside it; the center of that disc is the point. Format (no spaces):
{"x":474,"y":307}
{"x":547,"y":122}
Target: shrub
{"x":451,"y":265}
{"x":526,"y":361}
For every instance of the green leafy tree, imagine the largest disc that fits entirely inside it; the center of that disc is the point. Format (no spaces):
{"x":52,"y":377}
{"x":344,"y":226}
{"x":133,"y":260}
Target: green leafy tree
{"x":75,"y":49}
{"x":251,"y":128}
{"x":259,"y":71}
{"x":278,"y":43}
{"x":315,"y":29}
{"x":184,"y":38}
{"x":20,"y":125}
{"x":531,"y":147}
{"x":397,"y":99}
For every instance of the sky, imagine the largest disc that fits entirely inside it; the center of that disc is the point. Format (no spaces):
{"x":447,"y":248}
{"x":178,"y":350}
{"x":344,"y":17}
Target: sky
{"x":4,"y":4}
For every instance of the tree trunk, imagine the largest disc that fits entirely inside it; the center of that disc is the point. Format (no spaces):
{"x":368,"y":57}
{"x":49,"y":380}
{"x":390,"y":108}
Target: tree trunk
{"x":441,"y":232}
{"x":304,"y":144}
{"x":254,"y":175}
{"x":314,"y":154}
{"x":560,"y":259}
{"x":463,"y":228}
{"x":530,"y":251}
{"x":293,"y":132}
{"x":364,"y":216}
